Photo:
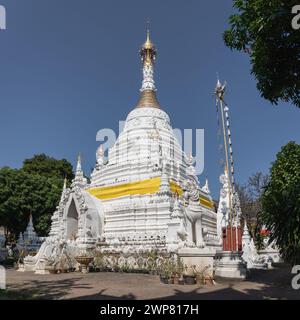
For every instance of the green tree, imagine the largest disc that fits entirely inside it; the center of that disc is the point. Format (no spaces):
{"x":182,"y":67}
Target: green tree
{"x":33,"y":190}
{"x":263,"y":30}
{"x":49,"y":167}
{"x":10,"y":215}
{"x":281,"y":203}
{"x":250,"y":200}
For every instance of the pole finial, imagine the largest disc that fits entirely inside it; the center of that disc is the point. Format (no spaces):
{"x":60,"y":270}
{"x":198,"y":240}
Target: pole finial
{"x":220,"y":88}
{"x":148,"y":25}
{"x":78,"y":167}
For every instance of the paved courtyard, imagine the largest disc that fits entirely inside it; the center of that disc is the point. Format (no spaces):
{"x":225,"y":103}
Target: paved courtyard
{"x":271,"y":284}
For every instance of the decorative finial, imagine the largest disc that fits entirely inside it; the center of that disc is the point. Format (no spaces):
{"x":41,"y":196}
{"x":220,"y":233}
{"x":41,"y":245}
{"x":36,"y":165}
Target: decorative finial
{"x":79,"y":179}
{"x":148,"y":28}
{"x":30,"y":223}
{"x":100,"y":151}
{"x":148,"y":23}
{"x":100,"y":155}
{"x":206,"y":187}
{"x":148,"y":51}
{"x":245,"y":226}
{"x":246,"y":234}
{"x":78,"y":167}
{"x":206,"y":182}
{"x":220,"y":89}
{"x":65,"y":183}
{"x":148,"y":56}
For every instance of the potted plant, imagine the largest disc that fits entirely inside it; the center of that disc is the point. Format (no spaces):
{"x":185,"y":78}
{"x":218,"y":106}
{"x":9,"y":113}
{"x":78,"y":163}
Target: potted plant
{"x":202,"y":277}
{"x":152,"y":261}
{"x":165,"y":272}
{"x":208,"y":280}
{"x":178,"y":279}
{"x":189,"y":276}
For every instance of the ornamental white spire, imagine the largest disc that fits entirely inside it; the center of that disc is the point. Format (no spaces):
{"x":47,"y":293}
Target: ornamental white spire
{"x":100,"y":155}
{"x":78,"y":166}
{"x":30,"y":224}
{"x":79,"y":179}
{"x":65,"y":184}
{"x":246,"y":235}
{"x":64,"y":191}
{"x":148,"y":54}
{"x":206,"y":187}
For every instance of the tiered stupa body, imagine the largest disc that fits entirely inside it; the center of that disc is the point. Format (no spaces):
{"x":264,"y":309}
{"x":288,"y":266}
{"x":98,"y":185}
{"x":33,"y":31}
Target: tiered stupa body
{"x":146,"y":171}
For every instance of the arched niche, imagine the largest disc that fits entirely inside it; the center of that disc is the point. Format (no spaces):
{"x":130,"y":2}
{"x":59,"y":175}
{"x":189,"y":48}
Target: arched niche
{"x":72,"y":221}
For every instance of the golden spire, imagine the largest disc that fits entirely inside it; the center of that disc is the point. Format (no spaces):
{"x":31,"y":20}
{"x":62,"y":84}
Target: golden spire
{"x":148,"y":56}
{"x":148,"y":44}
{"x":148,"y":51}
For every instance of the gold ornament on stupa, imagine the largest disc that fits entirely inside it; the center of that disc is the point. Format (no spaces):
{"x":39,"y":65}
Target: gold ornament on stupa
{"x":148,"y":91}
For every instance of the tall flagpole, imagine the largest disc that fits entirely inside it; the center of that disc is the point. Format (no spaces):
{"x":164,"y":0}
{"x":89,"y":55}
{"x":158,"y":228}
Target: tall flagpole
{"x":219,"y":92}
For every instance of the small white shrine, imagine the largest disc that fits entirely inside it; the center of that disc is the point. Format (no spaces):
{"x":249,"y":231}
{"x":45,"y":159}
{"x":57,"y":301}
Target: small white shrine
{"x":29,"y":240}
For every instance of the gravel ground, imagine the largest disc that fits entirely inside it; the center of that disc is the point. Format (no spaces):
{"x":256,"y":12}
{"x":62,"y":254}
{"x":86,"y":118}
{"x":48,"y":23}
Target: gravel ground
{"x":270,"y":284}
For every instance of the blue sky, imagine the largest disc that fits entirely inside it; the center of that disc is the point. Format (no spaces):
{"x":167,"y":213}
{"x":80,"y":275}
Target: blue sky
{"x":69,"y":68}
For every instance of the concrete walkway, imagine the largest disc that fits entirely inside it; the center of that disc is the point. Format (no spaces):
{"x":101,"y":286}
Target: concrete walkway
{"x":271,"y":284}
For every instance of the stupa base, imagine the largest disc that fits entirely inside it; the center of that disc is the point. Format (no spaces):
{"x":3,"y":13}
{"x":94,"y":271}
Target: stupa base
{"x":230,"y":265}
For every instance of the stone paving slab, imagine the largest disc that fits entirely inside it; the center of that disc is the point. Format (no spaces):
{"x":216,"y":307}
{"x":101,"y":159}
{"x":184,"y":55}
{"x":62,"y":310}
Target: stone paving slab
{"x":270,"y":284}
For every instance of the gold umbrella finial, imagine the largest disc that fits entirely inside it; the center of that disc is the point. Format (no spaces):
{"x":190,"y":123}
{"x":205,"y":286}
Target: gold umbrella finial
{"x":148,"y":41}
{"x":148,"y":45}
{"x":148,"y":56}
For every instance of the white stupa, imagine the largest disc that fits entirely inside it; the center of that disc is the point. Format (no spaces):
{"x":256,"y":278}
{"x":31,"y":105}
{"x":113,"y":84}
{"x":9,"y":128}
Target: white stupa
{"x":29,"y":240}
{"x":144,"y":195}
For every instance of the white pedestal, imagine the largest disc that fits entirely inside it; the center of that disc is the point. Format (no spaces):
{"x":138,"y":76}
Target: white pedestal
{"x":21,"y":268}
{"x":202,"y":259}
{"x":46,"y":270}
{"x":230,"y":265}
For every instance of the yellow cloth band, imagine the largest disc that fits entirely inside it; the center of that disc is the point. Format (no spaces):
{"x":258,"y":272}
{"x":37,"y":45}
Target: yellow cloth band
{"x":149,"y":186}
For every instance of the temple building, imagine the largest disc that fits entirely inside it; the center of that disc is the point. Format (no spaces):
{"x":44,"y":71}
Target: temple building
{"x":143,"y":195}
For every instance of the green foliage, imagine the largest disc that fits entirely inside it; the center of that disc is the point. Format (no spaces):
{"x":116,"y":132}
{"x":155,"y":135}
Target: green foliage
{"x":263,"y":29}
{"x":33,"y":190}
{"x":250,"y":200}
{"x":48,"y":167}
{"x":281,"y":202}
{"x":17,"y":295}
